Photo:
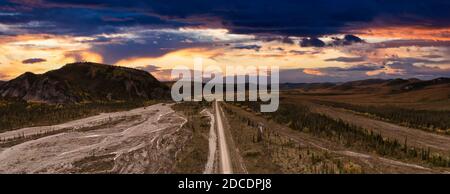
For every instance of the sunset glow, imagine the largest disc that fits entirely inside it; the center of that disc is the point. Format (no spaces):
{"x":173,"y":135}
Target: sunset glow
{"x":165,"y":40}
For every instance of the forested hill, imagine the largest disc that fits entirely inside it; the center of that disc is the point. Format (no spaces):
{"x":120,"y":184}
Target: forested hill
{"x":85,"y":82}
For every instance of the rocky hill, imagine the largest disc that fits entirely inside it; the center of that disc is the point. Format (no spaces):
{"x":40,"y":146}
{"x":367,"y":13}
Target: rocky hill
{"x":85,"y":82}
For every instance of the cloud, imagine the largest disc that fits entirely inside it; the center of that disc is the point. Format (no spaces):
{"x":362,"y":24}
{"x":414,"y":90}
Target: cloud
{"x":81,"y":55}
{"x":317,"y":18}
{"x":361,"y":72}
{"x":361,"y":67}
{"x":248,"y":47}
{"x":312,"y":42}
{"x":408,"y":70}
{"x":33,"y":60}
{"x":410,"y":43}
{"x":115,"y":30}
{"x":348,"y":59}
{"x":313,"y":72}
{"x":432,"y":56}
{"x":413,"y":60}
{"x":302,"y":52}
{"x":141,"y":42}
{"x":347,"y":40}
{"x":150,"y":68}
{"x":2,"y":77}
{"x":287,"y":40}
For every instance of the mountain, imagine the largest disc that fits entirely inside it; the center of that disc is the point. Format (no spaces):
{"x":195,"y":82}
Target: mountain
{"x":306,"y":86}
{"x":82,"y":82}
{"x":372,"y":86}
{"x":426,"y":84}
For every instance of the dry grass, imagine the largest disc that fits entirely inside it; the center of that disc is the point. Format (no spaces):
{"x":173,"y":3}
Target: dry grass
{"x":192,"y":158}
{"x":276,"y":153}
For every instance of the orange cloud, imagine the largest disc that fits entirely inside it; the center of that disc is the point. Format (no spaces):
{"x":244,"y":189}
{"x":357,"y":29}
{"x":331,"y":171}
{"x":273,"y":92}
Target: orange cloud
{"x":313,"y":72}
{"x":56,"y":50}
{"x":437,"y":34}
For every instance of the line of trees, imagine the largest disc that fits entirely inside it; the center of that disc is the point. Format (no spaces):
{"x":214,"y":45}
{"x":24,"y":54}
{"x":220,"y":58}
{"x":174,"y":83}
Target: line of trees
{"x":422,"y":119}
{"x":299,"y":117}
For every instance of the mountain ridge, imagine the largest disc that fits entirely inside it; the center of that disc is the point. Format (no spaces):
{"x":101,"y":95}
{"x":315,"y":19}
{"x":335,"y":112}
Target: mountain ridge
{"x":370,"y":85}
{"x":84,"y":82}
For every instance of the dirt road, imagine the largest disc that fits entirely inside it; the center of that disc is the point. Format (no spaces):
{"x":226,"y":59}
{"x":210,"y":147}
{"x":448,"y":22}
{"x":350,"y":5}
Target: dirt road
{"x":212,"y":144}
{"x":225,"y":163}
{"x":143,"y":140}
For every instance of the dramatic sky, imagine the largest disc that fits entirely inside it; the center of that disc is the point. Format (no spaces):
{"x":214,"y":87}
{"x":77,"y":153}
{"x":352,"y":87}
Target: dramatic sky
{"x":311,"y":41}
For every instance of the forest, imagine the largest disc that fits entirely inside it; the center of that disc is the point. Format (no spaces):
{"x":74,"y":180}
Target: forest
{"x":429,"y":120}
{"x":298,"y":117}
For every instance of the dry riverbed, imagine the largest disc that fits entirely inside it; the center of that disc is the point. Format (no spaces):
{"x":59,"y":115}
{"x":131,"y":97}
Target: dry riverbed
{"x":143,"y":140}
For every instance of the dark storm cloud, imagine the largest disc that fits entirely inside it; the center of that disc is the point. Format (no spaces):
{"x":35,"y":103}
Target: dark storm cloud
{"x":361,"y":67}
{"x":347,"y":59}
{"x":146,"y":44}
{"x":33,"y":60}
{"x":281,"y":39}
{"x":347,"y":40}
{"x":287,"y":40}
{"x":248,"y":47}
{"x":67,"y":20}
{"x":283,"y":17}
{"x":432,"y":56}
{"x":311,"y":42}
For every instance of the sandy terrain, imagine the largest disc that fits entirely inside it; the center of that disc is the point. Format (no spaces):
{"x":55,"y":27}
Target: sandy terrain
{"x":143,"y":140}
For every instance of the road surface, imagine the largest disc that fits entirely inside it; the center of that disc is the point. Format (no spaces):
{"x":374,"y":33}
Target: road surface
{"x":212,"y":141}
{"x":225,"y":162}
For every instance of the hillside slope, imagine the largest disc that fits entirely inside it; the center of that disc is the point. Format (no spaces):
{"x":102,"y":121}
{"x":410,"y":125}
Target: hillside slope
{"x":81,"y":82}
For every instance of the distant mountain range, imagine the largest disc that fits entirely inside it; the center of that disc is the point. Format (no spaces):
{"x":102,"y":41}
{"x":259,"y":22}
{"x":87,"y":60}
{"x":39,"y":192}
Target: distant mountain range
{"x":85,"y":82}
{"x":371,"y":85}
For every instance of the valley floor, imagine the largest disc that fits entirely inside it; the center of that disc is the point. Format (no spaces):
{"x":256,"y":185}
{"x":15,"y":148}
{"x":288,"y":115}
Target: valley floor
{"x":204,"y":138}
{"x":285,"y":150}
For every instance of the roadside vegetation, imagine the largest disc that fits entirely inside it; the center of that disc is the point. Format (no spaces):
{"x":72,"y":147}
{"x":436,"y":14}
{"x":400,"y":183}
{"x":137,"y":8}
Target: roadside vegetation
{"x":428,"y":120}
{"x":264,"y":150}
{"x":191,"y":159}
{"x":298,"y":117}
